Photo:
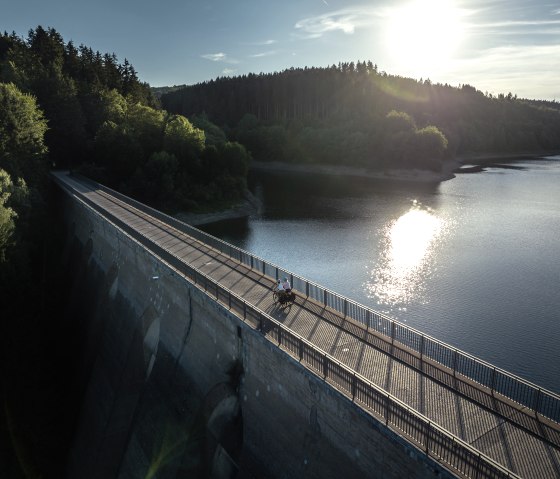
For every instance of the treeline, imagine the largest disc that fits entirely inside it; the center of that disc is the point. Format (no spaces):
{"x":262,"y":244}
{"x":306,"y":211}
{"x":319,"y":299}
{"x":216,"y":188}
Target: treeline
{"x":346,"y":114}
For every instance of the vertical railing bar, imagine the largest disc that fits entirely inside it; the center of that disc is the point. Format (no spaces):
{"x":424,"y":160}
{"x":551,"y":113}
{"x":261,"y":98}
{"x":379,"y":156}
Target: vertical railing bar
{"x":455,"y":356}
{"x":428,"y":433}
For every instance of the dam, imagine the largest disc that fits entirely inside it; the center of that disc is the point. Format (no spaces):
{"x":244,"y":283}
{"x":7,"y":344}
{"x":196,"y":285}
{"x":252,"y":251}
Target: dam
{"x":191,"y":369}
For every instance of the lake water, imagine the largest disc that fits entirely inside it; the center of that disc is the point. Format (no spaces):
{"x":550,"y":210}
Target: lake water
{"x":473,"y":261}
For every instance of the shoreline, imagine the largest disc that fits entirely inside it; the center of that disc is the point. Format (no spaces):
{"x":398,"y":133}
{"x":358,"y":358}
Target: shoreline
{"x":252,"y":205}
{"x":249,"y":206}
{"x":414,"y":175}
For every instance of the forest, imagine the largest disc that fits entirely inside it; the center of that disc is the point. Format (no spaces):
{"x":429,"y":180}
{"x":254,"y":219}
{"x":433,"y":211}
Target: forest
{"x":353,"y":114}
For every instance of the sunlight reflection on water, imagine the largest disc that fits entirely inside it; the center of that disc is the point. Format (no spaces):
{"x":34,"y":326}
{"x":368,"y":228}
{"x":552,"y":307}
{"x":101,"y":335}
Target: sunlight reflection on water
{"x":406,"y":262}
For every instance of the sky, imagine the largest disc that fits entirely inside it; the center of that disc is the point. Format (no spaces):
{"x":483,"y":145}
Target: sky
{"x":497,"y":46}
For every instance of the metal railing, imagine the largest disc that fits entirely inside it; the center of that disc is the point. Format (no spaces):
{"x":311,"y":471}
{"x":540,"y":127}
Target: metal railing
{"x":437,"y":443}
{"x":496,"y":380}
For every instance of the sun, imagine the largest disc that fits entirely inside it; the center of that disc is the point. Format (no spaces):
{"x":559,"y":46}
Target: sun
{"x":423,"y":36}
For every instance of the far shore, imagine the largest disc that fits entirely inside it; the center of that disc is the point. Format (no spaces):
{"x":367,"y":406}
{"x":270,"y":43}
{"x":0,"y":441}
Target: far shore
{"x":414,"y":175}
{"x":251,"y":205}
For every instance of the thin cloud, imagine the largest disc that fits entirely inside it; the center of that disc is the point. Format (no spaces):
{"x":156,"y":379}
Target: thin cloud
{"x":264,"y":54}
{"x":228,"y":71}
{"x":517,"y":23}
{"x":261,"y":44}
{"x":511,"y":29}
{"x":345,"y":21}
{"x":218,"y":57}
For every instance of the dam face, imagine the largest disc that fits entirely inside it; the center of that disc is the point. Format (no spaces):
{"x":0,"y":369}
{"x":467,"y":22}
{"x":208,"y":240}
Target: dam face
{"x":175,"y":385}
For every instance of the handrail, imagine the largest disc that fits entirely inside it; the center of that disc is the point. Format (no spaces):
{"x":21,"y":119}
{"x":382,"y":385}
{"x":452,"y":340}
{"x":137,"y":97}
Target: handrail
{"x":497,"y":380}
{"x":451,"y":451}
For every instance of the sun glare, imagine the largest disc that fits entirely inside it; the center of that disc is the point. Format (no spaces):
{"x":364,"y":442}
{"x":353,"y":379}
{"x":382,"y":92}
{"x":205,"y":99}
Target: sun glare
{"x":404,"y":264}
{"x":422,"y":36}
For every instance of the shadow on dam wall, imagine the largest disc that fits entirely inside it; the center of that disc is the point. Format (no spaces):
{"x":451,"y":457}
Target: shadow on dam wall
{"x":173,"y":385}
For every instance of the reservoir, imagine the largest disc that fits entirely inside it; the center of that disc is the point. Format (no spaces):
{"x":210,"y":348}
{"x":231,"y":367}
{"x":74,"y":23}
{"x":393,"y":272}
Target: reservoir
{"x":473,"y":261}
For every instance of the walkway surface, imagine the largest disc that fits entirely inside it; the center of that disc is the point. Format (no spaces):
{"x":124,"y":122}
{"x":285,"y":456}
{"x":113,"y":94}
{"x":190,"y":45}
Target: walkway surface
{"x":511,"y":436}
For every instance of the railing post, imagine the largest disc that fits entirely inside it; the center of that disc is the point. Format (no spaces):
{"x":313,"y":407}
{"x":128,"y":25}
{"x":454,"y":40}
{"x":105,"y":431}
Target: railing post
{"x":537,"y":401}
{"x":300,"y":344}
{"x":345,"y":307}
{"x":277,"y":273}
{"x":325,"y":297}
{"x":251,"y":261}
{"x":493,"y":380}
{"x":307,"y":289}
{"x":354,"y":387}
{"x":244,"y":310}
{"x":279,"y":336}
{"x":421,"y":350}
{"x":368,"y":318}
{"x":455,"y":354}
{"x":229,"y":301}
{"x":428,"y":433}
{"x":393,"y":329}
{"x":325,"y":367}
{"x":387,"y":409}
{"x":264,"y":267}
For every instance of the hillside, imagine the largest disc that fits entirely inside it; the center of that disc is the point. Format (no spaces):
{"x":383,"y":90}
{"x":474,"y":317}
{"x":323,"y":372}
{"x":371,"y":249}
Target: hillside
{"x":355,"y":115}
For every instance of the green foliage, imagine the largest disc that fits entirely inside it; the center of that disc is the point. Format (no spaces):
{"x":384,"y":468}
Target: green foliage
{"x":213,"y":134}
{"x":399,"y":121}
{"x":7,"y":214}
{"x":182,"y":139}
{"x":118,"y":151}
{"x":22,"y":130}
{"x":158,"y":180}
{"x":144,"y":125}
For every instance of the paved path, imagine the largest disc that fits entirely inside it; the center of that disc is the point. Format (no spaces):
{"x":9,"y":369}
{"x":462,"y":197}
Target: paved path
{"x":511,"y":437}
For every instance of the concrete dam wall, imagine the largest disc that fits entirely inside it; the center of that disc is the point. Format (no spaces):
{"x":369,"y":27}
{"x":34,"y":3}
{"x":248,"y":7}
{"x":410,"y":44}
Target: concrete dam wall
{"x":175,"y":385}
